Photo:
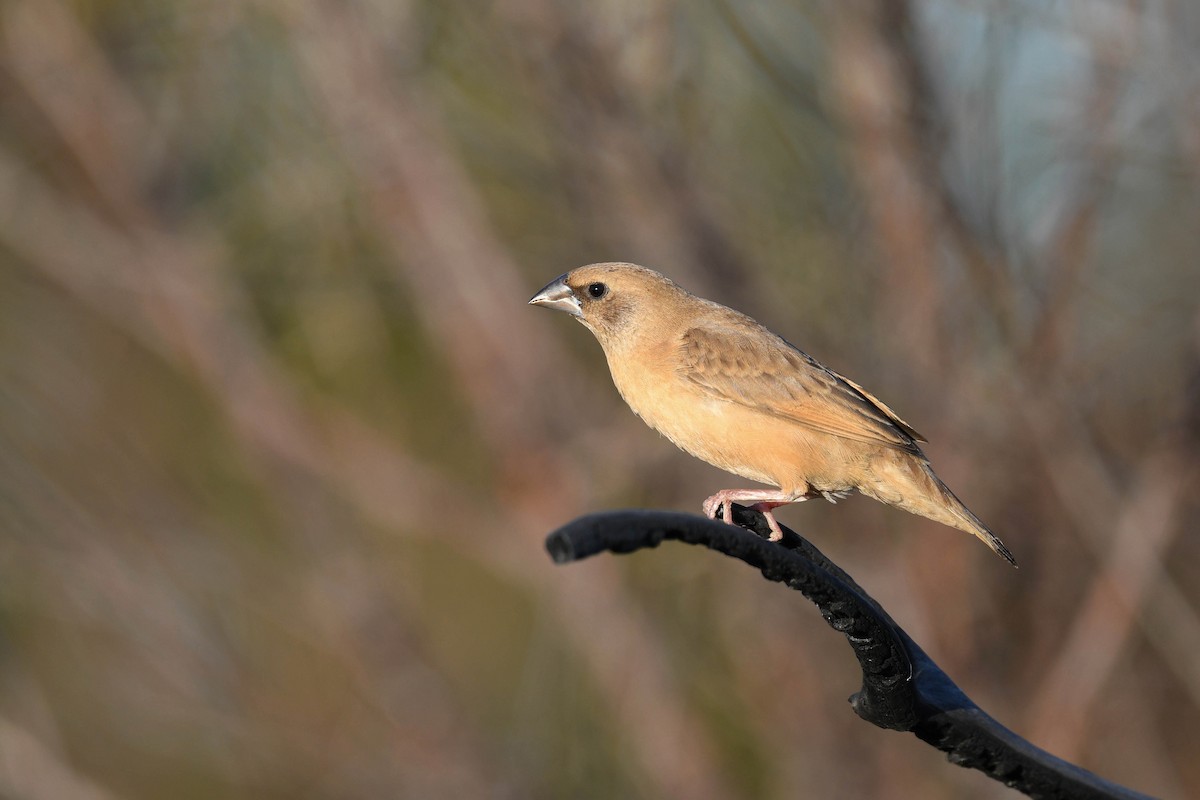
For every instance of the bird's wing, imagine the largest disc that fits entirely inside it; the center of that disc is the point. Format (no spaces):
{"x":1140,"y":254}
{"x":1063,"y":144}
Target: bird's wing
{"x":756,"y":368}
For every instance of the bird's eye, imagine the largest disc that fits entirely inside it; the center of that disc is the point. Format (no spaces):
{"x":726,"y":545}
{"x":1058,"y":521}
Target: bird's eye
{"x":597,"y":290}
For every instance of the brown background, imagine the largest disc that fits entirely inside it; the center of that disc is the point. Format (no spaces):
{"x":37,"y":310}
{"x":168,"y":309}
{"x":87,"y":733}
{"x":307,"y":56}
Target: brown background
{"x":279,"y":438}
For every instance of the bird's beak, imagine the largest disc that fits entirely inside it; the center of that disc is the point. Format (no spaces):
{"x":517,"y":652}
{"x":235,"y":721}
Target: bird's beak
{"x":558,"y":295}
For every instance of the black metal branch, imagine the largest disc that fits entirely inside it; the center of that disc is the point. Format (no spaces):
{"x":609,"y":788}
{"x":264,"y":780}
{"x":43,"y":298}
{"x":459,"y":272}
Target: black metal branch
{"x":902,"y":689}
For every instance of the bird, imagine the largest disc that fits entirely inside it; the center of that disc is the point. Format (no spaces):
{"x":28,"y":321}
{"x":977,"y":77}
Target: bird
{"x":725,"y":389}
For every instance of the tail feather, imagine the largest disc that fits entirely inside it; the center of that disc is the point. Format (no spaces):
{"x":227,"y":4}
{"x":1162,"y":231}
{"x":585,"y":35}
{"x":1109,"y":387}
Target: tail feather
{"x":910,"y":483}
{"x":971,"y":524}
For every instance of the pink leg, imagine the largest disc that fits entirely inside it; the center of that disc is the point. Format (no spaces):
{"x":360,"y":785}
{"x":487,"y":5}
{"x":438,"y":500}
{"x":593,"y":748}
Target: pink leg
{"x":764,"y":501}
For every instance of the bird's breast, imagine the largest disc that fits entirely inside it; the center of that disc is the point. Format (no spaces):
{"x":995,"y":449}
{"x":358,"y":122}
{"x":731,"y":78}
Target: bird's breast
{"x":727,"y":435}
{"x":738,"y":438}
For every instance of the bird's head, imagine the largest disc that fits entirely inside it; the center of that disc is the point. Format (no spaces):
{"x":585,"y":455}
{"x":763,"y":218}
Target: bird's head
{"x":612,"y":300}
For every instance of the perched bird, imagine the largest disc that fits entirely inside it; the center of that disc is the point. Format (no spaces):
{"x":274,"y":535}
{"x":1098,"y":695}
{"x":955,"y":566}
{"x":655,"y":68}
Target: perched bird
{"x":732,"y":393}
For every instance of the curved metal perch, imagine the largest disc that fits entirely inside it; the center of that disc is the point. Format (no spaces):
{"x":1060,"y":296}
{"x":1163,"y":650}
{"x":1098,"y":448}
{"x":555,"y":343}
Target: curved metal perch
{"x":902,"y":688}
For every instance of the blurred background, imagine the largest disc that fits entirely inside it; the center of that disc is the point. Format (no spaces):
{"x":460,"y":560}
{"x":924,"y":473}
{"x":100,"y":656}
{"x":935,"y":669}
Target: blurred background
{"x":280,"y":439}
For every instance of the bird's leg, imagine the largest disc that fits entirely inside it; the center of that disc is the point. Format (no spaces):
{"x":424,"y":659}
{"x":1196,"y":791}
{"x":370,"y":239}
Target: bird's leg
{"x":764,"y":501}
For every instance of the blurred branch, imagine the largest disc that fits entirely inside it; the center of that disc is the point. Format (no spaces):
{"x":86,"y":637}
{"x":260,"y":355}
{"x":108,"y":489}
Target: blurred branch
{"x":801,"y":89}
{"x":172,"y":294}
{"x":1131,"y":587}
{"x":903,"y":689}
{"x":880,"y":95}
{"x":638,"y":187}
{"x":163,"y":294}
{"x":461,"y":275}
{"x":32,"y":770}
{"x":892,"y":108}
{"x":171,"y":291}
{"x":467,"y":288}
{"x":1070,"y":254}
{"x":100,"y":123}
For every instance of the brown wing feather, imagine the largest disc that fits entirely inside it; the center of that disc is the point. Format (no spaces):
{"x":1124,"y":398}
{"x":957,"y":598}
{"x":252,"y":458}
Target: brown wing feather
{"x":758,"y":369}
{"x":892,"y":415}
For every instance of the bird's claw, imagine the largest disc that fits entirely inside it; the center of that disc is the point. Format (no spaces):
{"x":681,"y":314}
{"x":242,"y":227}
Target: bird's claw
{"x":716,"y":503}
{"x":722,"y":502}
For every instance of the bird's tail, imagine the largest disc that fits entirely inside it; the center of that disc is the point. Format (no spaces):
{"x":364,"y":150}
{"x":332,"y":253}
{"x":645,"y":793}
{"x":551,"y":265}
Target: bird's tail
{"x":967,"y":521}
{"x":927,"y":496}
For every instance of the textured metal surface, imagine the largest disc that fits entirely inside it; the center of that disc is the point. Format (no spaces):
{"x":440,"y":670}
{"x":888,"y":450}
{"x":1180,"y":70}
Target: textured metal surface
{"x":902,"y":689}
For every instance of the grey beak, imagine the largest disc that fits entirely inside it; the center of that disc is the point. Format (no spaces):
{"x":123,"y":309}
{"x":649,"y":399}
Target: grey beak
{"x":558,"y":295}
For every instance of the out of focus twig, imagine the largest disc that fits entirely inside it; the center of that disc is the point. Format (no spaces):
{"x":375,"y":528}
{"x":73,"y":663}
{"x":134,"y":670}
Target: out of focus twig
{"x":29,"y":768}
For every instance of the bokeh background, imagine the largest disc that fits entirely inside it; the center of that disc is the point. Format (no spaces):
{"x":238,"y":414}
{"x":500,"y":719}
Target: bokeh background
{"x":280,"y":439}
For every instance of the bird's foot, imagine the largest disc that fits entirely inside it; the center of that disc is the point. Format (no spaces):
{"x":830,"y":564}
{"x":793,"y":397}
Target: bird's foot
{"x":765,"y":510}
{"x":764,"y":503}
{"x":714,"y":504}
